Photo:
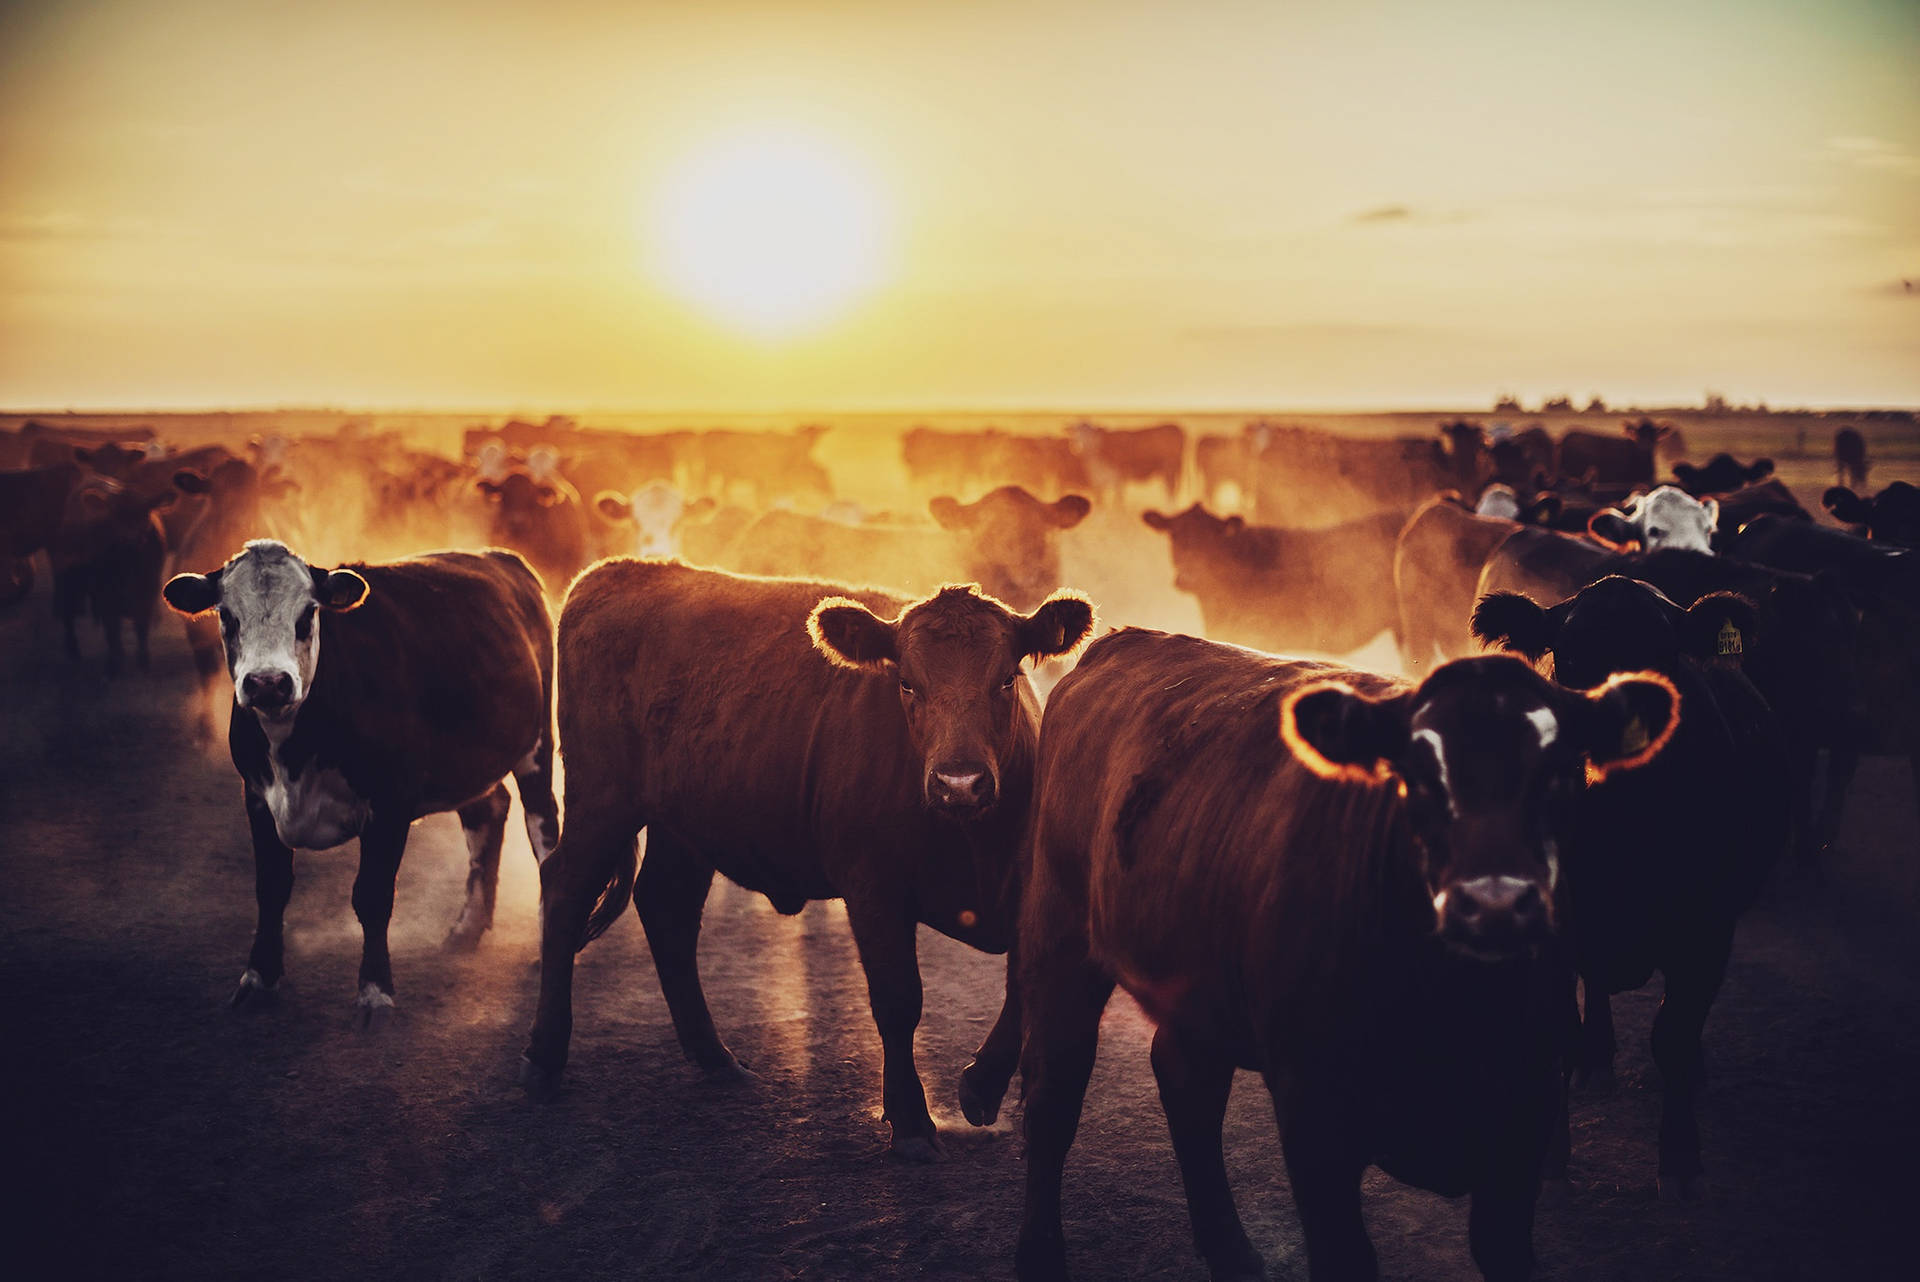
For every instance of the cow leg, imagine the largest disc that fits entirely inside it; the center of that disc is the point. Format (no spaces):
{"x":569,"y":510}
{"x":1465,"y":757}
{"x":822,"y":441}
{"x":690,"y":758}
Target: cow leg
{"x":1676,"y":1051}
{"x":1593,"y":1066}
{"x":69,"y":599}
{"x":572,"y":879}
{"x":485,"y":824}
{"x":1841,"y":763}
{"x":983,"y":1083}
{"x":272,"y":887}
{"x":884,"y":933}
{"x":1194,"y":1084}
{"x":1325,"y":1173}
{"x":382,"y":842}
{"x":1064,"y":994}
{"x":670,"y":896}
{"x":534,"y":778}
{"x":116,"y":650}
{"x":1500,"y":1228}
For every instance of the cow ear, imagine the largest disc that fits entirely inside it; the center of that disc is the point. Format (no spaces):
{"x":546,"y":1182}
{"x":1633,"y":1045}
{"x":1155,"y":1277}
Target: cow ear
{"x":852,"y":636}
{"x":1689,"y":477}
{"x":1759,"y":469}
{"x":1236,"y":523}
{"x":1720,"y":625}
{"x":1847,"y":507}
{"x":1544,"y":510}
{"x":949,"y":514}
{"x":188,"y":482}
{"x":1628,"y":721}
{"x":1514,"y":622}
{"x":1155,"y":521}
{"x":489,"y":488}
{"x":1611,"y":528}
{"x":1712,"y":507}
{"x":1069,"y":510}
{"x":1338,"y":733}
{"x":547,"y":496}
{"x":192,"y":593}
{"x":339,"y":590}
{"x":613,"y":505}
{"x":1062,"y":622}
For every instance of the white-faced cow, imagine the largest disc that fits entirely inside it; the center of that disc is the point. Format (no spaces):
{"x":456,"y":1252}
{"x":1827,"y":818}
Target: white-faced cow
{"x":1332,"y":878}
{"x":1668,"y":517}
{"x":366,"y":697}
{"x":806,"y":745}
{"x":643,"y":523}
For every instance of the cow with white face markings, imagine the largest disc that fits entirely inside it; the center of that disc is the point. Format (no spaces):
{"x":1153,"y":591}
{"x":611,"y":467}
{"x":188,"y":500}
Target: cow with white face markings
{"x":1669,"y":517}
{"x":643,"y":523}
{"x":366,"y":697}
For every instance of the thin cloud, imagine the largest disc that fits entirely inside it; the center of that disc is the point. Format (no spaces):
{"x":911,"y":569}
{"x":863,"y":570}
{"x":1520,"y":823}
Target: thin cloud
{"x":1875,"y":153}
{"x":1244,"y":334}
{"x":1384,"y":214}
{"x":1404,"y":215}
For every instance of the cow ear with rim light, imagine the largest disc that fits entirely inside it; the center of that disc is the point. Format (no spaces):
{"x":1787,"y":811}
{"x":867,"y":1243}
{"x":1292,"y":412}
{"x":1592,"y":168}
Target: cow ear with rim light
{"x":613,"y":505}
{"x":1611,"y":528}
{"x":1062,"y":623}
{"x":192,"y":594}
{"x":338,"y":590}
{"x":1515,"y":622}
{"x":1339,"y":733}
{"x":852,"y":636}
{"x":1627,"y":722}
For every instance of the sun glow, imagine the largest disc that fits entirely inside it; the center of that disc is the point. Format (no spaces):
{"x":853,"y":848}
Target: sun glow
{"x":770,"y":232}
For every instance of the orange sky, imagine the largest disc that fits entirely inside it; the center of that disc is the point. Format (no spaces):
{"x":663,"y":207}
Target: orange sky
{"x":1089,"y":205}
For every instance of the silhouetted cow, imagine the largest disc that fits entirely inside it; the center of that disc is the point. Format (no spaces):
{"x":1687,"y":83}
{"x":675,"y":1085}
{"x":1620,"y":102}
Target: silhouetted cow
{"x":107,"y":557}
{"x":1722,"y":474}
{"x":1437,"y":559}
{"x":366,"y":697}
{"x":32,"y":501}
{"x":1115,"y":458}
{"x":807,"y":748}
{"x":1626,"y":459}
{"x":1850,"y":458}
{"x":1287,"y":591}
{"x":1660,"y":863}
{"x":1515,"y":457}
{"x":1891,"y":516}
{"x":1329,"y":877}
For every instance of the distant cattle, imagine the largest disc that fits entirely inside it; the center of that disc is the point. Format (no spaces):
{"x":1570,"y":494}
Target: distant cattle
{"x":108,"y":556}
{"x":32,"y":502}
{"x":1660,"y":863}
{"x":543,"y":520}
{"x":1115,"y":458}
{"x":1668,"y":517}
{"x":1498,"y":500}
{"x":770,"y":465}
{"x":1770,"y":496}
{"x":1850,"y":458}
{"x":1332,"y":878}
{"x":1460,"y":455}
{"x":641,"y":523}
{"x":1220,"y":461}
{"x":1626,"y":459}
{"x":1721,"y":475}
{"x":366,"y":697}
{"x":1319,"y":591}
{"x":1515,"y":457}
{"x":1006,"y":541}
{"x":1437,"y":558}
{"x":1305,"y":477}
{"x":806,"y":745}
{"x":946,"y":461}
{"x":1891,"y":516}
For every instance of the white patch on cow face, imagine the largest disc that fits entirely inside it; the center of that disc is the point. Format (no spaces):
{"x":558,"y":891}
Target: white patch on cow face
{"x":1545,"y":724}
{"x":1671,"y":518}
{"x":270,"y":625}
{"x":1499,"y":501}
{"x":657,"y":508}
{"x":1433,"y":741}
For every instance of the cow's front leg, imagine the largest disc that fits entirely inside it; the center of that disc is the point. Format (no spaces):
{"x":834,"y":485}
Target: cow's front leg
{"x":1593,"y":1065}
{"x":1676,"y":1051}
{"x":1324,"y":1169}
{"x":382,"y":842}
{"x":889,"y":953}
{"x":272,"y":887}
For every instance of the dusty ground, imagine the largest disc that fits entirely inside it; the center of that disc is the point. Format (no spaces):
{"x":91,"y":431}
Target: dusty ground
{"x":153,"y":1134}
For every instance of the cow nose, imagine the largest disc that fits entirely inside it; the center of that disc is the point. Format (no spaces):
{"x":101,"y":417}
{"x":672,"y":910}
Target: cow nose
{"x":1493,"y":917}
{"x":267,"y":691}
{"x":961,"y":788}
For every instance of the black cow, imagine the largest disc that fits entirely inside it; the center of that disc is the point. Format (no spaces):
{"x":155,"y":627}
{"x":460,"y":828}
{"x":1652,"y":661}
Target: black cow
{"x":107,"y":557}
{"x":1891,"y":516}
{"x":1660,"y":863}
{"x":434,"y":682}
{"x":1850,"y":458}
{"x":1329,"y":877}
{"x":32,"y":502}
{"x":1722,"y":474}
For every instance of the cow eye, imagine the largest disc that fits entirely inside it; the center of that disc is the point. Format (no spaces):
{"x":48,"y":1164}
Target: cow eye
{"x":1656,"y":532}
{"x":907,"y":687}
{"x":303,"y":627}
{"x":227,"y":622}
{"x":1008,"y":683}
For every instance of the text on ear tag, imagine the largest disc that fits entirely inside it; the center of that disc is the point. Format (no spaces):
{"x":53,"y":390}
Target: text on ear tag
{"x":1729,"y":640}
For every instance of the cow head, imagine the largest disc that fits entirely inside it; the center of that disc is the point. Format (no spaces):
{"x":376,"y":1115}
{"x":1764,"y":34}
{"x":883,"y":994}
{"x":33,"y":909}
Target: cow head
{"x":1646,"y":432}
{"x":1009,"y":540}
{"x":649,"y":516}
{"x":112,"y":459}
{"x":1498,"y":500}
{"x":269,"y":602}
{"x":957,"y":657}
{"x":1617,"y":625}
{"x":1667,"y":518}
{"x":518,"y":502}
{"x":1198,"y":540}
{"x":1488,"y":755}
{"x":1891,"y":516}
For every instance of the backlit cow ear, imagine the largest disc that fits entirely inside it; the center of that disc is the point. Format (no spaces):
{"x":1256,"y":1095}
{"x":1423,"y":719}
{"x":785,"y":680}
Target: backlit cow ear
{"x":1062,"y":622}
{"x":1338,"y":733}
{"x":1720,"y":625}
{"x":1629,"y":720}
{"x":852,"y":636}
{"x":1544,"y":510}
{"x":192,"y":593}
{"x":1847,"y":507}
{"x":188,"y":482}
{"x":1155,"y":521}
{"x":1069,"y":510}
{"x":949,"y":514}
{"x":547,"y":496}
{"x":340,"y":590}
{"x":1712,"y":507}
{"x":1611,"y":528}
{"x":613,"y":505}
{"x":1514,"y":622}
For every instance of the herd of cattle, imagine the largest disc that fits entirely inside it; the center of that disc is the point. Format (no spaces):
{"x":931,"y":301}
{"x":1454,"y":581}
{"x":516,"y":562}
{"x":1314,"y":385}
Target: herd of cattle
{"x":1381,"y":893}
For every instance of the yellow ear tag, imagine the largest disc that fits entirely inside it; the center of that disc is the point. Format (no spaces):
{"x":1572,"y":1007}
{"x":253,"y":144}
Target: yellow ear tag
{"x":1730,"y":640}
{"x":1634,"y":740}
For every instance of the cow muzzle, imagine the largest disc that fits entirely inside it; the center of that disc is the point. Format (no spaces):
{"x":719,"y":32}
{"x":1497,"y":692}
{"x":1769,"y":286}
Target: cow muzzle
{"x":1494,"y":918}
{"x":960,"y":790}
{"x":267,"y":692}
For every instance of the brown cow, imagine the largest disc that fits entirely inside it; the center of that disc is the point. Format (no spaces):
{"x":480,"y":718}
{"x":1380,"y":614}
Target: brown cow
{"x":1436,"y":570}
{"x":107,"y":557}
{"x":543,"y":520}
{"x":1323,"y":591}
{"x":31,"y":504}
{"x":1006,"y":541}
{"x":1332,"y":878}
{"x":434,"y":682}
{"x":1626,"y":459}
{"x":1115,"y":458}
{"x":888,"y":764}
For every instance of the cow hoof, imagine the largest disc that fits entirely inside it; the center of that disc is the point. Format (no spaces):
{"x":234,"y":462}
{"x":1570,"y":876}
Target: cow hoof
{"x":1554,"y":1193}
{"x":464,"y":939}
{"x":1683,"y":1188}
{"x":730,"y":1072}
{"x":372,"y":1009}
{"x":1595,"y":1081}
{"x":253,"y":992}
{"x":981,"y":1107}
{"x":1041,"y":1259}
{"x":920,"y":1150}
{"x":539,"y":1083}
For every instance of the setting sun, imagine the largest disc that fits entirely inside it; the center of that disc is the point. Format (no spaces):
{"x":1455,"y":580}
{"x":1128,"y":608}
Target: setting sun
{"x":769,"y":232}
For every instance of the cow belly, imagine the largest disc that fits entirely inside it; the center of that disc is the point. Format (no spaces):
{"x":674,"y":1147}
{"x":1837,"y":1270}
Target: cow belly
{"x":316,"y":810}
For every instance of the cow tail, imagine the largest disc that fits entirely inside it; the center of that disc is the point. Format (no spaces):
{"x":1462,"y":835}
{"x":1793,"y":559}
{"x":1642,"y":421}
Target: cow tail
{"x":614,"y":897}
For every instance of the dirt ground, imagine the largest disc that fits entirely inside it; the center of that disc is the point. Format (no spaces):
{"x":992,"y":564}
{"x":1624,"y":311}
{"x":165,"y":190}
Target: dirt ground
{"x":151,"y":1133}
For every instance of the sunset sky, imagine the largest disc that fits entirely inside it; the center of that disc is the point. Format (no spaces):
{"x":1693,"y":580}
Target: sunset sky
{"x":1100,"y":205}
